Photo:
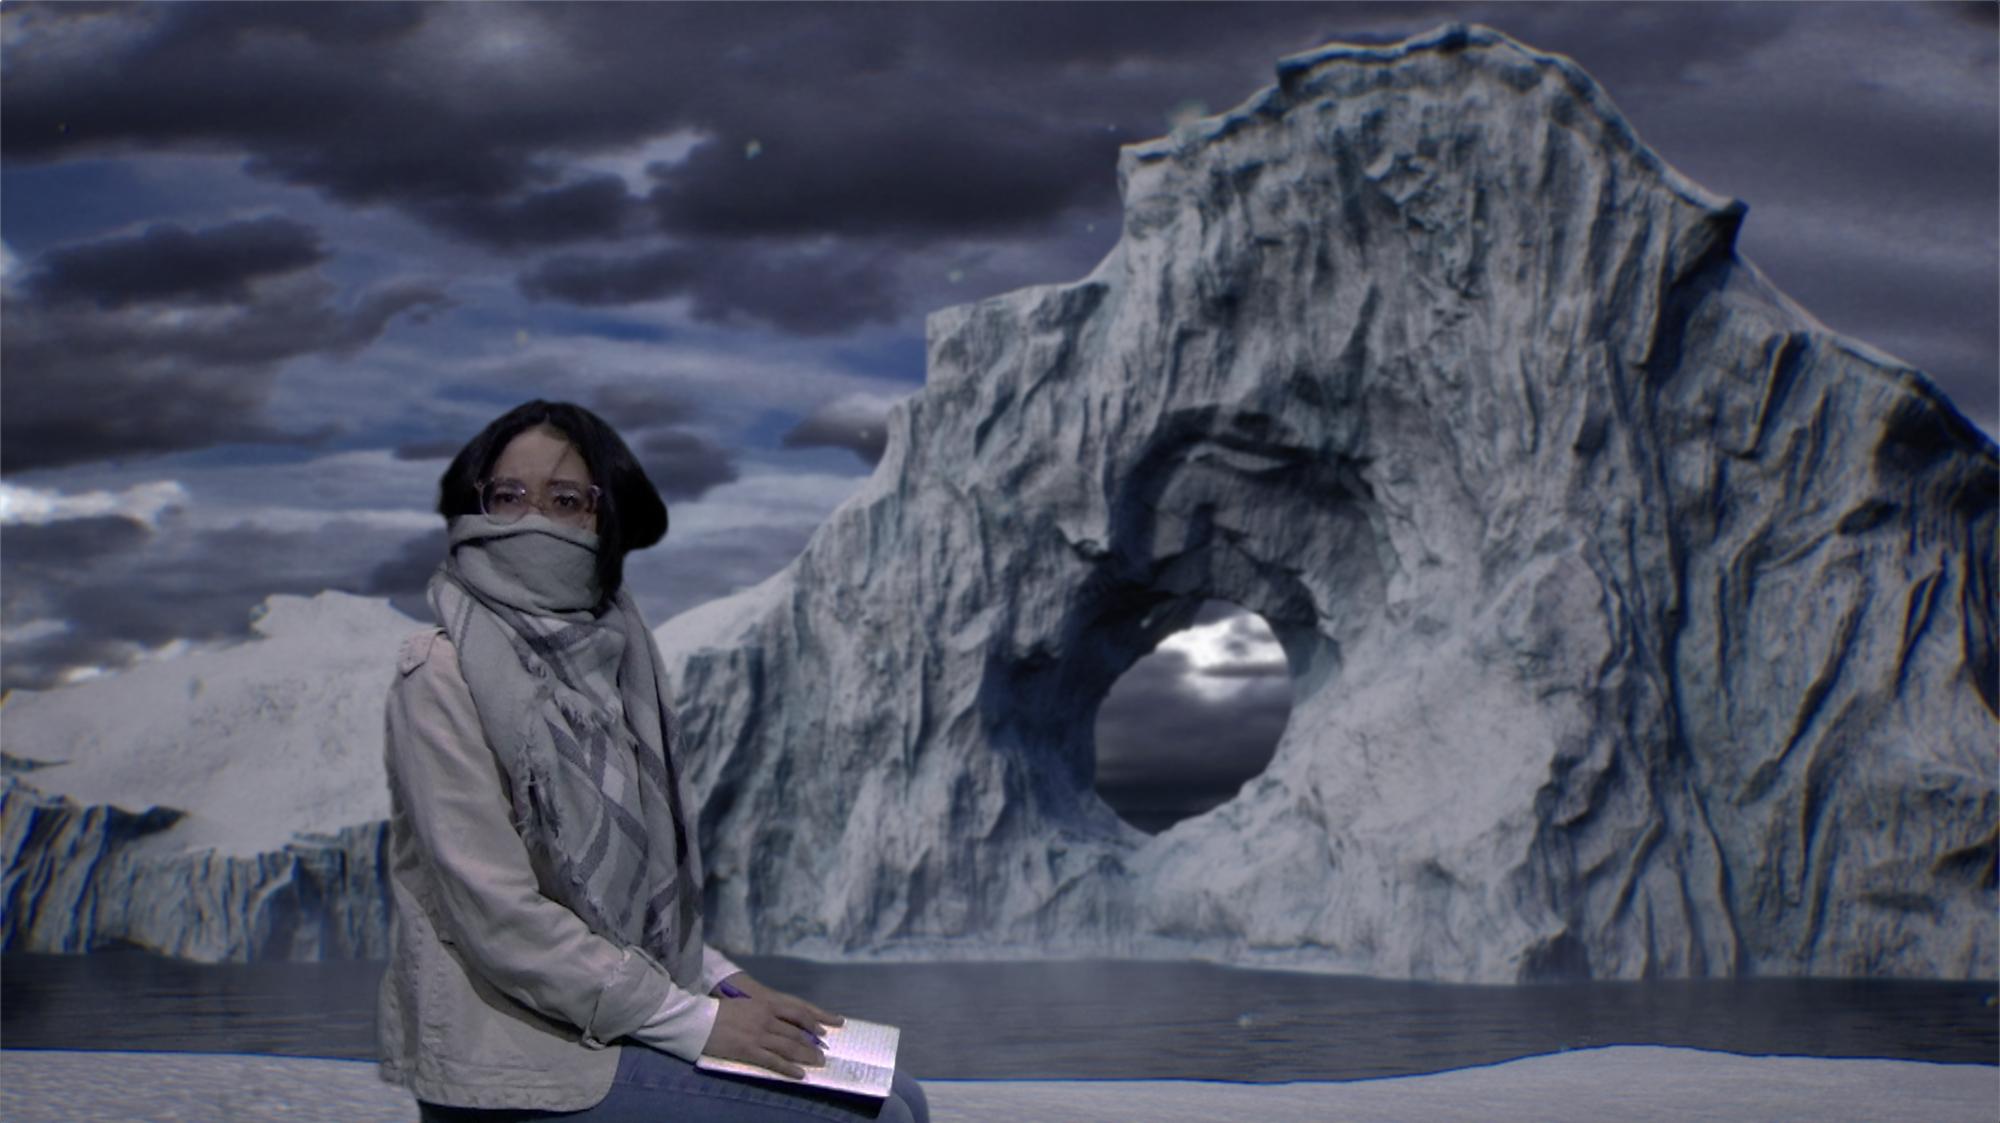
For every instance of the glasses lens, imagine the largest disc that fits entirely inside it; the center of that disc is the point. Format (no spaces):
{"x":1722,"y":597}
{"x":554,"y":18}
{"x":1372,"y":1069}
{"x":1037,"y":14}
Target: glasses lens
{"x":505,"y":500}
{"x":571,"y":504}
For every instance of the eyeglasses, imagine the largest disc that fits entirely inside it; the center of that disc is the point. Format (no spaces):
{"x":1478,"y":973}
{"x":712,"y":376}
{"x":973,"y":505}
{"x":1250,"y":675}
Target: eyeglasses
{"x":505,"y":500}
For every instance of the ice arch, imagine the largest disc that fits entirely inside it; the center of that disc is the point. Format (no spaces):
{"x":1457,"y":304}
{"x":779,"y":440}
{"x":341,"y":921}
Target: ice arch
{"x":1639,"y":625}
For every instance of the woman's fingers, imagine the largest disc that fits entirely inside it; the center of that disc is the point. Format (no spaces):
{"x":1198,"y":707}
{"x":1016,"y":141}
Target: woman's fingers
{"x":786,"y":1043}
{"x":795,"y":1013}
{"x":803,"y":1014}
{"x":752,"y":1030}
{"x":778,"y":1064}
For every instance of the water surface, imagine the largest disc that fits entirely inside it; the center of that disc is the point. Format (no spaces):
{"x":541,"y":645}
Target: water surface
{"x":1069,"y":1019}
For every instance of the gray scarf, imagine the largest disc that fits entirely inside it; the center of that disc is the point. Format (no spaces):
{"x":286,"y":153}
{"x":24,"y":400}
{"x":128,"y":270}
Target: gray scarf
{"x":575,"y":709}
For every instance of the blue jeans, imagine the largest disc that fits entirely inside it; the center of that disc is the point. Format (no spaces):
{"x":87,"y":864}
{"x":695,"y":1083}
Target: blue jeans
{"x":656,"y":1087}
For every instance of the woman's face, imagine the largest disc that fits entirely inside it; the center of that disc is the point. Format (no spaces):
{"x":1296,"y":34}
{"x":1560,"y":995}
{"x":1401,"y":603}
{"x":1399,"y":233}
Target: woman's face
{"x":551,"y":471}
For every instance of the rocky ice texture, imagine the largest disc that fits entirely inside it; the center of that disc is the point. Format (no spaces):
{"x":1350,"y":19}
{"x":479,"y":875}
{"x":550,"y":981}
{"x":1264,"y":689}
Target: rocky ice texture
{"x":1638,"y":624}
{"x":225,"y":805}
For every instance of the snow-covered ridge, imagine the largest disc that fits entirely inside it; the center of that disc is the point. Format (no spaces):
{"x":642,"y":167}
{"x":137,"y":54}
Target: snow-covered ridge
{"x":252,"y":743}
{"x":226,"y":804}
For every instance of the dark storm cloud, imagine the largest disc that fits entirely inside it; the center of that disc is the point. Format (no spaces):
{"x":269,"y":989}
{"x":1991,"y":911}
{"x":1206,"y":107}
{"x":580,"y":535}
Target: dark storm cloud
{"x":168,"y":260}
{"x":601,"y":280}
{"x":85,"y":385}
{"x":858,"y":425}
{"x":689,"y":571}
{"x":47,"y":568}
{"x":632,"y":406}
{"x":40,"y":663}
{"x":121,"y":592}
{"x":597,"y":207}
{"x":815,"y":291}
{"x":404,"y":576}
{"x":1638,"y":44}
{"x":367,"y":107}
{"x":911,"y":120}
{"x":843,"y":138}
{"x":877,"y":125}
{"x":439,"y":448}
{"x":1978,"y":13}
{"x":993,"y":170}
{"x":683,"y":465}
{"x":192,"y":365}
{"x":60,"y":546}
{"x":322,"y":24}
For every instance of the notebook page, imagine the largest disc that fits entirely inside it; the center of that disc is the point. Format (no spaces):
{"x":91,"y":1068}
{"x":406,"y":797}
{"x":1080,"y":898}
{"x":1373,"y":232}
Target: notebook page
{"x":860,"y":1058}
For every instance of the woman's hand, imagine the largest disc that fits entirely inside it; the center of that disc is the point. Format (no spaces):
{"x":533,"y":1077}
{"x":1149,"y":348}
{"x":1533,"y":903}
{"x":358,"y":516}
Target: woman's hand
{"x":753,"y":1030}
{"x":768,"y":1028}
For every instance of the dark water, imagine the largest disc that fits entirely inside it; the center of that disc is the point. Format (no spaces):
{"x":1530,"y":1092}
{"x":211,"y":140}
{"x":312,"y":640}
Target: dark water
{"x":1057,"y":1019}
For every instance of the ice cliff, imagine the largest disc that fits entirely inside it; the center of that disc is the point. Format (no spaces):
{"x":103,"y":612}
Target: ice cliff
{"x":1638,"y":625}
{"x":226,"y":805}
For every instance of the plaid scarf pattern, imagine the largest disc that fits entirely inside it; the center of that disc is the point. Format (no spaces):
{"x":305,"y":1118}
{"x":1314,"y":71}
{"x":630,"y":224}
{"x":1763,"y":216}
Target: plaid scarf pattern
{"x":574,"y":706}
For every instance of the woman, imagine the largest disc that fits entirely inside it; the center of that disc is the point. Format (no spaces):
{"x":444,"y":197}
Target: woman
{"x":547,"y":957}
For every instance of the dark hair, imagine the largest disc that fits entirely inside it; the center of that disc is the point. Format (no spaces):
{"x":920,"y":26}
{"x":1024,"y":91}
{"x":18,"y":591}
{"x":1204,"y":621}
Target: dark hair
{"x":630,"y":515}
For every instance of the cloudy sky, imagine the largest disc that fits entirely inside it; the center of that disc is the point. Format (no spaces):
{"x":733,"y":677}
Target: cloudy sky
{"x":266,"y":266}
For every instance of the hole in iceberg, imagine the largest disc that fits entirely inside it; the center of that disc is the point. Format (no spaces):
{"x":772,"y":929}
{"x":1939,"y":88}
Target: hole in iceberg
{"x":1182,"y":729}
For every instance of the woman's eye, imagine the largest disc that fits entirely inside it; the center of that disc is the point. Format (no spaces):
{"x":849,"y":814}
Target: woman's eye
{"x":507,"y":499}
{"x":567,"y":501}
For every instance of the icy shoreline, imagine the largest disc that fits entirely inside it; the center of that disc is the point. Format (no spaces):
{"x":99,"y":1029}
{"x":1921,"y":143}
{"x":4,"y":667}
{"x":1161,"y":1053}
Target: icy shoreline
{"x":1621,"y":1082}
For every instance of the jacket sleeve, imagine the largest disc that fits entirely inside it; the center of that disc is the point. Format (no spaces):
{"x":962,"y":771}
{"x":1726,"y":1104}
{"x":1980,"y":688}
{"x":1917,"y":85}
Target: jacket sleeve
{"x":715,"y":967}
{"x":488,"y":903}
{"x":682,"y":1024}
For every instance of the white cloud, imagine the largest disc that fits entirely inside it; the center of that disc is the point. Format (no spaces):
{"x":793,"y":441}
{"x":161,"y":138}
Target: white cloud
{"x":729,"y":382}
{"x":136,"y":653}
{"x":29,"y":631}
{"x":61,"y":36}
{"x":764,"y":499}
{"x":368,"y":487}
{"x":144,"y":502}
{"x":365,"y":485}
{"x":858,"y":410}
{"x":447,"y":378}
{"x":1227,"y":657}
{"x":634,"y":163}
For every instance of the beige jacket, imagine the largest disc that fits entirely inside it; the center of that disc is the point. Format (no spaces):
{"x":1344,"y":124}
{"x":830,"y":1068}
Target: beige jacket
{"x":496,"y":995}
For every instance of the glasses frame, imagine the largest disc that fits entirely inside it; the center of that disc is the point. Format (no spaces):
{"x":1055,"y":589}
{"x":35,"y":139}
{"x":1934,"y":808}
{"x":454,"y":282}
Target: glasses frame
{"x":538,"y":499}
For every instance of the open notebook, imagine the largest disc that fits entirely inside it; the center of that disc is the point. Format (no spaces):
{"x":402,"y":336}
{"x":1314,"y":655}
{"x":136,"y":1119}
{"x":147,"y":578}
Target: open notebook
{"x":860,"y":1058}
